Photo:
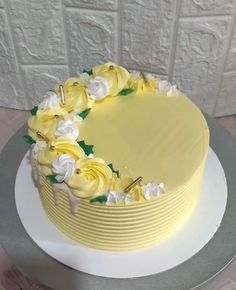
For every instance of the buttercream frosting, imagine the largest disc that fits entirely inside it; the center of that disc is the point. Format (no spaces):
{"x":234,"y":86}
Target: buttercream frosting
{"x":64,"y":167}
{"x":68,"y":129}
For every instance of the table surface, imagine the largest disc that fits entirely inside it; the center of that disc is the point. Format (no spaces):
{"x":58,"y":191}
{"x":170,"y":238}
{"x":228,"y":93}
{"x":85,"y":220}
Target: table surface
{"x":209,"y":262}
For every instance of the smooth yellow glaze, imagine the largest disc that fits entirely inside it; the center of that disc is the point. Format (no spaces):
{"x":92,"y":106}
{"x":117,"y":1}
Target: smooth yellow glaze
{"x":164,"y":139}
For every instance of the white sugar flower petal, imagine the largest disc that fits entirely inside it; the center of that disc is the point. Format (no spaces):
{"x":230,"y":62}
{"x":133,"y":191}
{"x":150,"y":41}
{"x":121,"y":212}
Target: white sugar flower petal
{"x":50,"y":101}
{"x":67,"y":128}
{"x":63,"y":167}
{"x":98,"y":88}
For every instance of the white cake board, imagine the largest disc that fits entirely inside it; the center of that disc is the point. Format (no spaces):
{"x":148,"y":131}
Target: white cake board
{"x":192,"y":237}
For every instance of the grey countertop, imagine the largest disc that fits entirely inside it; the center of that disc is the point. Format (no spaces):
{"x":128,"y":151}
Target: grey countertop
{"x":210,"y":261}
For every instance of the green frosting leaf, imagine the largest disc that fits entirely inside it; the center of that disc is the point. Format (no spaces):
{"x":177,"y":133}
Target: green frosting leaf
{"x":34,"y":110}
{"x":113,"y":170}
{"x":52,"y":178}
{"x":126,"y":91}
{"x":88,"y":71}
{"x":29,"y":139}
{"x":88,"y":149}
{"x":85,"y":113}
{"x":100,"y":198}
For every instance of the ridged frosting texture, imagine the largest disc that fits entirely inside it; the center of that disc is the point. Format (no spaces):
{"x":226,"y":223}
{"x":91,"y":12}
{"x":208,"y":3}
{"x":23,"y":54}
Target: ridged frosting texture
{"x":123,"y":228}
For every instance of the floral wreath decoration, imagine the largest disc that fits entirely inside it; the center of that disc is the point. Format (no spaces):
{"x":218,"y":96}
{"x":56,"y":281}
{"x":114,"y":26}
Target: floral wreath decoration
{"x":54,"y":136}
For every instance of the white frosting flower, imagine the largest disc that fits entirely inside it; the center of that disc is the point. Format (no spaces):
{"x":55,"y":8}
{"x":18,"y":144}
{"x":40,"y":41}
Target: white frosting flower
{"x":98,"y":88}
{"x":152,"y":189}
{"x":50,"y":101}
{"x":172,"y":91}
{"x":164,"y":86}
{"x":67,"y":128}
{"x":115,"y":196}
{"x":63,"y":167}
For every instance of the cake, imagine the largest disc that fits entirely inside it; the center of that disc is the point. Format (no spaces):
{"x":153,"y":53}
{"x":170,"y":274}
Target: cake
{"x":117,"y":157}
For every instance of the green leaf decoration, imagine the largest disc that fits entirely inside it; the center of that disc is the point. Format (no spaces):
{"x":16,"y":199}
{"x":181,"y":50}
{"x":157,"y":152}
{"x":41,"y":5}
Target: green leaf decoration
{"x":29,"y":139}
{"x":100,"y":198}
{"x":88,"y":71}
{"x":126,"y":91}
{"x":52,"y":178}
{"x":88,"y":149}
{"x":113,"y":170}
{"x":34,"y":110}
{"x":85,"y":113}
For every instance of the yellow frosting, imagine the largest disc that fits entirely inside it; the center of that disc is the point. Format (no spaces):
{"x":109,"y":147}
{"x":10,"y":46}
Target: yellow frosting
{"x":58,"y":147}
{"x":117,"y":76}
{"x":123,"y":228}
{"x":93,"y":179}
{"x":76,"y":97}
{"x":142,"y":83}
{"x":45,"y":122}
{"x":163,"y":139}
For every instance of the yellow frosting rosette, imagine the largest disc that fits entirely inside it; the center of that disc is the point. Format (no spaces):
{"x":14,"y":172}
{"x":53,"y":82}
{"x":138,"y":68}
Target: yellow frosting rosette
{"x":45,"y":126}
{"x":142,"y":83}
{"x":76,"y":96}
{"x":56,"y":148}
{"x":47,"y":116}
{"x":116,"y":76}
{"x":92,"y":179}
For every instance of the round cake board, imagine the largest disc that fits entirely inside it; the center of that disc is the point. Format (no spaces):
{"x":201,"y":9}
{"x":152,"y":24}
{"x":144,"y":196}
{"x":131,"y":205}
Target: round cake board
{"x":189,"y":240}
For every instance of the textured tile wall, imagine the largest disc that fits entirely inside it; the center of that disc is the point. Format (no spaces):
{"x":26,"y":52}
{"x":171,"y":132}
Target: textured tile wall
{"x":190,"y":42}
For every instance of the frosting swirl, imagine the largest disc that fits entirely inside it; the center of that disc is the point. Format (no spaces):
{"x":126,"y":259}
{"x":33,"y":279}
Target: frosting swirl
{"x":67,"y":129}
{"x":76,"y":97}
{"x":50,"y":101}
{"x":56,"y":148}
{"x":93,"y":178}
{"x":64,"y":167}
{"x":98,"y":88}
{"x":116,"y":76}
{"x":46,"y":126}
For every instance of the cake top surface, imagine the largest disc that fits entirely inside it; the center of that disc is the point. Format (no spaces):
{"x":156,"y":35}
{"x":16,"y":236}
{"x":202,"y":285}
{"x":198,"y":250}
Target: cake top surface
{"x":163,"y":139}
{"x":110,"y":133}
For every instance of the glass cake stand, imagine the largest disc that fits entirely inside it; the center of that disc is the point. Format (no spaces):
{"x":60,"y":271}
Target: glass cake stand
{"x":193,"y":273}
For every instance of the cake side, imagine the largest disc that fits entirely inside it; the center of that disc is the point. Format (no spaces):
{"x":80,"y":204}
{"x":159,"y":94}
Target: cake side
{"x":122,"y":228}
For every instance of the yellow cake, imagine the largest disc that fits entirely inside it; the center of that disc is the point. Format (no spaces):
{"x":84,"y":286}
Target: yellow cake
{"x":118,"y":157}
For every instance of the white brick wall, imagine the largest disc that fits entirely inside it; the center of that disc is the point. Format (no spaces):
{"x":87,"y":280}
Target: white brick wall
{"x":190,"y":42}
